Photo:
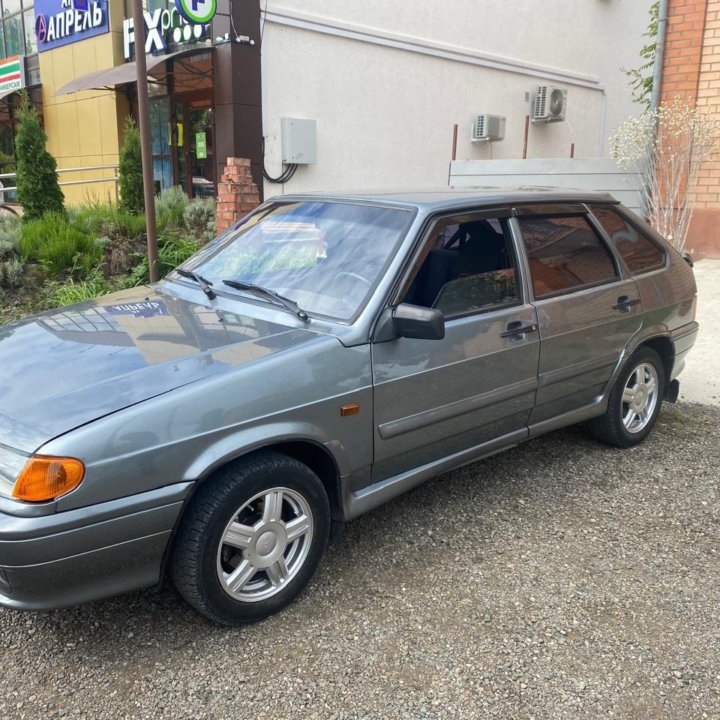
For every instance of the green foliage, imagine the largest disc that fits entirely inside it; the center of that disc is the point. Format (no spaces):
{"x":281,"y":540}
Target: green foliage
{"x":7,"y":162}
{"x":37,"y":182}
{"x":170,"y":208}
{"x":59,"y":247}
{"x":9,"y":235}
{"x":106,"y":219}
{"x":173,"y":250}
{"x":200,"y":218}
{"x":11,"y":273}
{"x":72,"y":292}
{"x":641,"y":78}
{"x":132,"y":200}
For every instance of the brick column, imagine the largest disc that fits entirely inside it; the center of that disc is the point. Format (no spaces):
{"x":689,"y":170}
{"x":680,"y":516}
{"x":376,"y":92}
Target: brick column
{"x":237,"y":193}
{"x":683,"y":50}
{"x":704,"y":232}
{"x":691,"y":70}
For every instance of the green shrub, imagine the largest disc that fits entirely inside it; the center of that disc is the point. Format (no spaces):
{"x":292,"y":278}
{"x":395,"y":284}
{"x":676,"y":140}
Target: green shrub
{"x":11,"y":273}
{"x":58,"y":246}
{"x":170,"y":209}
{"x":90,"y":218}
{"x":37,"y":182}
{"x":107,"y":219}
{"x":9,"y":235}
{"x":132,"y":199}
{"x":200,"y":218}
{"x":72,"y":292}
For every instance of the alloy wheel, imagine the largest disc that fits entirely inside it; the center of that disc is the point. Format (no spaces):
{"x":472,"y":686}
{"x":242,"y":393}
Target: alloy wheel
{"x":640,"y":397}
{"x":265,"y":544}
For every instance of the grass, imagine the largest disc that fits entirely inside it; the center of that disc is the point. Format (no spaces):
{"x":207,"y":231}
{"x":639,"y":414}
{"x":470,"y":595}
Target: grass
{"x":59,"y":247}
{"x":73,"y":291}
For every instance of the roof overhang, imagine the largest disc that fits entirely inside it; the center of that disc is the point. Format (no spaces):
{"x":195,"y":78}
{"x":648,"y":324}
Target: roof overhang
{"x":123,"y":74}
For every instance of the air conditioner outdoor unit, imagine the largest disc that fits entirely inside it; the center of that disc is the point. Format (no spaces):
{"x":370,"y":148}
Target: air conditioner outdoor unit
{"x":549,"y":104}
{"x":488,"y":127}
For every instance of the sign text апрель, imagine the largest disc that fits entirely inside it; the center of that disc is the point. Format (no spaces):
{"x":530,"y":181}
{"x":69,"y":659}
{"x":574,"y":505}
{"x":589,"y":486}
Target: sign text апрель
{"x":59,"y":24}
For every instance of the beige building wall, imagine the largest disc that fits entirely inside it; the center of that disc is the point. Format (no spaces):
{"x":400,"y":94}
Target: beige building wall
{"x":386,"y":82}
{"x":84,"y":129}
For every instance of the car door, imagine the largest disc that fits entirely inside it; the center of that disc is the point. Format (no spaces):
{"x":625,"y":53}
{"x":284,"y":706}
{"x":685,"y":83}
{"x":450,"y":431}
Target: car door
{"x":588,"y":307}
{"x":475,"y":388}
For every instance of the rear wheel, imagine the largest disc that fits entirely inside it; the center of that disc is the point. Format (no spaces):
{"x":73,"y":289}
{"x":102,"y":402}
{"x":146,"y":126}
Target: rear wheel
{"x":251,"y":539}
{"x":634,"y":401}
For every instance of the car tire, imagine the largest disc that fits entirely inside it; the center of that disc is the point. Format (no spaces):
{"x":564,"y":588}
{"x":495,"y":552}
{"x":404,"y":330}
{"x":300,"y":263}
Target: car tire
{"x":634,"y":403}
{"x":251,"y":538}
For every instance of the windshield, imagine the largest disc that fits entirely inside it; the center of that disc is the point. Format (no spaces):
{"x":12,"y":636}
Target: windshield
{"x":325,"y":256}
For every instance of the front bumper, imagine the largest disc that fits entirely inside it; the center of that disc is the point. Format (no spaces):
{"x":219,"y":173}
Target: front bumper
{"x":75,"y":556}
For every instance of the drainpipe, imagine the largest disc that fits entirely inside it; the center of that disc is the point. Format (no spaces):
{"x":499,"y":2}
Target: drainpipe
{"x":659,"y":54}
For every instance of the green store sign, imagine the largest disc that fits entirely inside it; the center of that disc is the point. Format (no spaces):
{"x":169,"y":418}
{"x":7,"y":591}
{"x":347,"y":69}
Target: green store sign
{"x":197,"y":12}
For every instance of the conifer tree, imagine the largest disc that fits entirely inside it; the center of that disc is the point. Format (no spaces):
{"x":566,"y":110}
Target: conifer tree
{"x":37,"y":181}
{"x":132,"y":199}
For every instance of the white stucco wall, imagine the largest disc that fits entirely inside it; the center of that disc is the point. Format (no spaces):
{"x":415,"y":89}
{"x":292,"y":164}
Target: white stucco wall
{"x":386,"y":81}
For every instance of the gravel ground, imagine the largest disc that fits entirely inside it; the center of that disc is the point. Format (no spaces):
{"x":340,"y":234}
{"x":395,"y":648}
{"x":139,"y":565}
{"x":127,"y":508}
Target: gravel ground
{"x":562,"y":579}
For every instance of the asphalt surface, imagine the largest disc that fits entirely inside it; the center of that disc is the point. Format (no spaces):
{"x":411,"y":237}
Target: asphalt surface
{"x":561,"y":579}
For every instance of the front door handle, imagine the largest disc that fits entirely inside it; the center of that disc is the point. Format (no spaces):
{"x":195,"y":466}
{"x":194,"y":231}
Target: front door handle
{"x":517,"y":328}
{"x":624,"y":303}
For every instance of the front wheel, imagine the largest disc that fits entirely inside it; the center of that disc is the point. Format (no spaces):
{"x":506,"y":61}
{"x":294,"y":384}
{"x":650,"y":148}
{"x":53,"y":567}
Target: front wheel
{"x":251,"y":539}
{"x":634,"y":403}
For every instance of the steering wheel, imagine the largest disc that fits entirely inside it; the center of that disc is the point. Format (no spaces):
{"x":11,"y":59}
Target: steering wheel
{"x":354,"y":276}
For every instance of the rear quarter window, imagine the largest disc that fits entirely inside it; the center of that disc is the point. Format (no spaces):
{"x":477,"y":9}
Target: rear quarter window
{"x":638,"y":252}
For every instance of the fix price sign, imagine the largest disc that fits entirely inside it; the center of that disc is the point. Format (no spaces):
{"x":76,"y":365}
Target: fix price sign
{"x":197,"y":12}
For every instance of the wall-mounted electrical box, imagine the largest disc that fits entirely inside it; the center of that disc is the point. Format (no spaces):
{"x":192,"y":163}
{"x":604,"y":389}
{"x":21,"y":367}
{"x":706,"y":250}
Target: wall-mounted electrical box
{"x":299,"y":141}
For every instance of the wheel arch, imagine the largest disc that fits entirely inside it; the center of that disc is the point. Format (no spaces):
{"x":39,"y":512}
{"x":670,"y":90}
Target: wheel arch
{"x":305,"y":448}
{"x":663,"y":346}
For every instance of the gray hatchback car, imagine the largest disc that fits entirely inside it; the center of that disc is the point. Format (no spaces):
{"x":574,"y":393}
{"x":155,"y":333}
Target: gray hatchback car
{"x":320,"y":358}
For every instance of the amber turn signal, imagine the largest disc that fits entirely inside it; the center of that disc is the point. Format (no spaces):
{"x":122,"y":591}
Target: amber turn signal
{"x":46,"y":478}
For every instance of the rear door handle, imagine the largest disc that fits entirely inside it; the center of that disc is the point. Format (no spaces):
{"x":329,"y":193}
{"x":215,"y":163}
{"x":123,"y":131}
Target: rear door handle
{"x":624,"y":303}
{"x":517,"y":328}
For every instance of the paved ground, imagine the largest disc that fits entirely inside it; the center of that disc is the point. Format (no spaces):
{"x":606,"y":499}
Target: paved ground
{"x":560,"y":580}
{"x":700,"y":382}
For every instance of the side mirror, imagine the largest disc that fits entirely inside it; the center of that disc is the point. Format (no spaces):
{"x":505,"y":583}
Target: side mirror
{"x":413,"y":321}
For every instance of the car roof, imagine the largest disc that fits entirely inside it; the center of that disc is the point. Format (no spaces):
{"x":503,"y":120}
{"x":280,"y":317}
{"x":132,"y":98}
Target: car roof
{"x":437,"y":199}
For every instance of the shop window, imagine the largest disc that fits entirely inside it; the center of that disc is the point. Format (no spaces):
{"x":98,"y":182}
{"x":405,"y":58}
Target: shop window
{"x":17,"y":29}
{"x":564,"y":254}
{"x":10,"y":7}
{"x":14,"y":33}
{"x":30,"y":41}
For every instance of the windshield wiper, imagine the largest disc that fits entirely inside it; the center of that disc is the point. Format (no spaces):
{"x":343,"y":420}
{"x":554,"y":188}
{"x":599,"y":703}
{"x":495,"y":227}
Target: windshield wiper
{"x":205,"y":285}
{"x":289,"y":304}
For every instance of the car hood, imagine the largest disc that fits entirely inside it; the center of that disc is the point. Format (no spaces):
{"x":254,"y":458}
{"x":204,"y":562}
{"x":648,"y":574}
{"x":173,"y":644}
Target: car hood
{"x":67,"y":367}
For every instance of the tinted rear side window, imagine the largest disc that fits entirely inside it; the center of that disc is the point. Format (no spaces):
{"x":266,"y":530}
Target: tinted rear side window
{"x":564,"y":254}
{"x":639,"y":252}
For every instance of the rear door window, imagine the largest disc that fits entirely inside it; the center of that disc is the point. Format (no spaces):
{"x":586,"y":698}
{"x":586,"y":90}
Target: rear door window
{"x":639,"y":253}
{"x":564,"y":254}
